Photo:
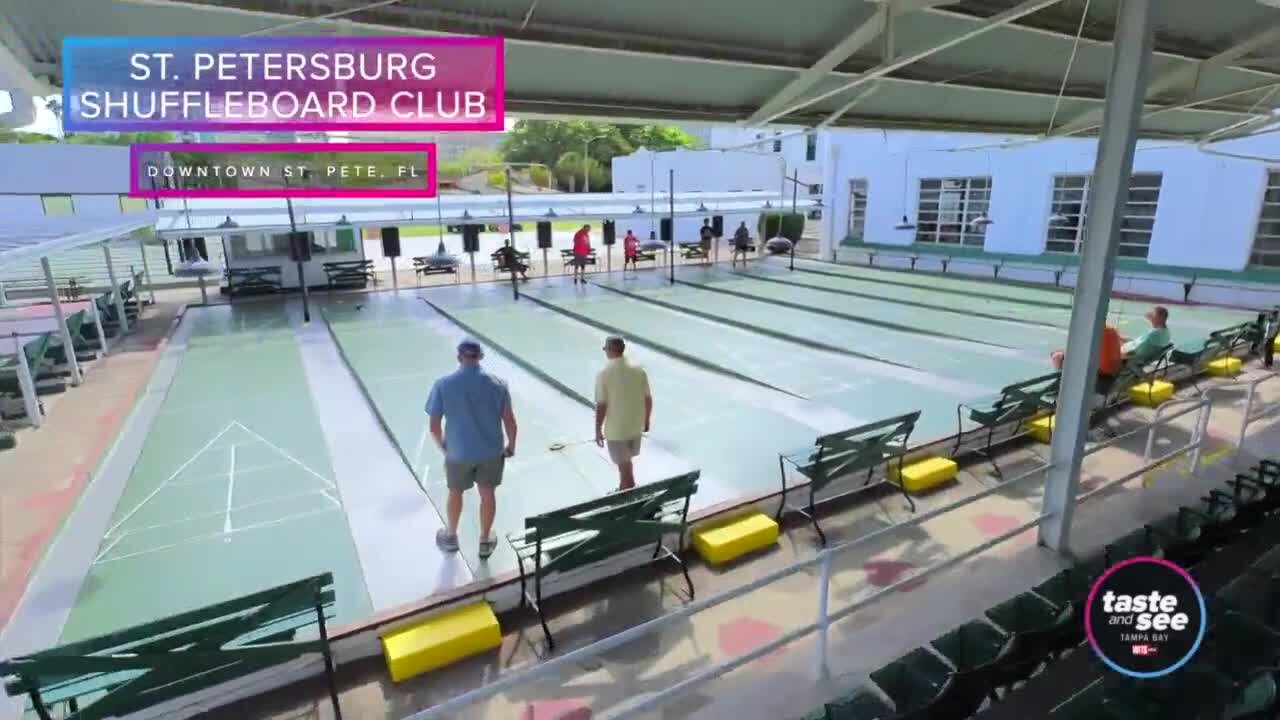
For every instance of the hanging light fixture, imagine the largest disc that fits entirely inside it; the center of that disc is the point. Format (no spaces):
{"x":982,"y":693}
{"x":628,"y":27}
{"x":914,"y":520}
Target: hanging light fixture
{"x":551,"y":212}
{"x":1059,"y":219}
{"x":702,"y":207}
{"x":342,"y":221}
{"x":906,"y":224}
{"x":981,"y":222}
{"x":228,"y":223}
{"x":466,"y":215}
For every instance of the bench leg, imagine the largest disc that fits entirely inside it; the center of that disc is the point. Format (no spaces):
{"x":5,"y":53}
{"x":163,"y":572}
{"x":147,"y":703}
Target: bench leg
{"x":782,"y":501}
{"x":537,"y":591}
{"x":330,"y":676}
{"x":38,"y":703}
{"x":911,"y":503}
{"x":995,"y":466}
{"x":813,"y":515}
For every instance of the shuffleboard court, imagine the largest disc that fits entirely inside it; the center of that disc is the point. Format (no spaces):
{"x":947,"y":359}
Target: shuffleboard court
{"x":865,"y":390}
{"x":398,"y":346}
{"x":956,"y":360}
{"x":727,"y":428}
{"x":1028,"y":303}
{"x":233,"y":490}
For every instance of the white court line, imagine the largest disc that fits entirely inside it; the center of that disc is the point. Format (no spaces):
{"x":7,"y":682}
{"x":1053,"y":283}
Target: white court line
{"x":400,"y":376}
{"x":102,"y":553}
{"x":215,"y":513}
{"x":223,"y":476}
{"x":111,"y":530}
{"x":210,"y":536}
{"x":332,"y":499}
{"x":287,"y":456}
{"x":231,"y":490}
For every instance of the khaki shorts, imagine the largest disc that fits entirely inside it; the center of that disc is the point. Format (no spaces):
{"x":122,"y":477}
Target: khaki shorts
{"x":622,"y":451}
{"x":461,"y":476}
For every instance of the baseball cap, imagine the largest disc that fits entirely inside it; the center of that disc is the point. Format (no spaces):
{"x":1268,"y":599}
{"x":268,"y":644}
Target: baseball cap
{"x":470,"y":347}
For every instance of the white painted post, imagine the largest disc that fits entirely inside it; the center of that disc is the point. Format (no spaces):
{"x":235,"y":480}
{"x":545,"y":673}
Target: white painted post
{"x":1244,"y":420}
{"x":1201,"y":432}
{"x":68,"y":346}
{"x":824,"y":592}
{"x":115,"y":289}
{"x":146,"y":271}
{"x":395,"y":282}
{"x":28,"y":384}
{"x":97,"y":324}
{"x":137,"y":290}
{"x":4,"y":300}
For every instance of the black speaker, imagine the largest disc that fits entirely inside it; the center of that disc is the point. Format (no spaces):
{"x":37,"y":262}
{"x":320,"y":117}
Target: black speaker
{"x":544,"y":234}
{"x":300,"y":246}
{"x":471,"y":238}
{"x":717,"y":225}
{"x":390,"y":242}
{"x":665,"y":229}
{"x":610,"y":233}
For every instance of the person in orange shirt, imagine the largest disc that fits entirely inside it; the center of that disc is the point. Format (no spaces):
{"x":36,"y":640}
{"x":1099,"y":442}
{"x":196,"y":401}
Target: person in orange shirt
{"x":1110,"y":356}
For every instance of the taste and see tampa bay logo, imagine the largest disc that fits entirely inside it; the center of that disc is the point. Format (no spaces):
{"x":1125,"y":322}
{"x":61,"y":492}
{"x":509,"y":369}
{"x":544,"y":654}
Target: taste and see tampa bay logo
{"x":1145,"y":617}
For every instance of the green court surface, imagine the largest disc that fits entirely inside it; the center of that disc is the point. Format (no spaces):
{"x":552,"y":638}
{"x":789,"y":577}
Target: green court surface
{"x":233,"y":491}
{"x":398,"y":347}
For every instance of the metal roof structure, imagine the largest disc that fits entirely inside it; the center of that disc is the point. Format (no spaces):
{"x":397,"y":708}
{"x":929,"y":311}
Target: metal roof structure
{"x":1002,"y":66}
{"x":31,"y":238}
{"x":205,"y":216}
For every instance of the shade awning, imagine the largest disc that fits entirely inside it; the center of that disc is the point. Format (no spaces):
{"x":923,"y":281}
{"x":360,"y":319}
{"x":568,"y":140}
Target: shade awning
{"x":23,"y":239}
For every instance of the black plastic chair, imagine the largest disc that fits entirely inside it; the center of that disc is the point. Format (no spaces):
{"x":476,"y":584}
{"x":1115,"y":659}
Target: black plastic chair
{"x":861,"y":704}
{"x":1034,"y":626}
{"x":915,"y":682}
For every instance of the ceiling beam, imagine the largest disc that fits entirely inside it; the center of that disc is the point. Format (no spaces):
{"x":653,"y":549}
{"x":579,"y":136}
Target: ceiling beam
{"x":860,"y":37}
{"x":839,"y":113}
{"x":1177,"y":77}
{"x":1095,"y":37}
{"x":998,"y":20}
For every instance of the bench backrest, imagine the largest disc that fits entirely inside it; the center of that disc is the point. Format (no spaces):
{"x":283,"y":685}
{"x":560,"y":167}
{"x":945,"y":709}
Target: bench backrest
{"x":36,"y":351}
{"x":597,"y":529}
{"x":1020,"y":401}
{"x":860,"y":448}
{"x":1218,"y":343}
{"x":1139,"y":370}
{"x":75,"y":323}
{"x":147,"y":664}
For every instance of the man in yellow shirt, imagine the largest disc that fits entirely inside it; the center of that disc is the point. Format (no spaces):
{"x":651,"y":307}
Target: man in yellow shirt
{"x":623,"y":408}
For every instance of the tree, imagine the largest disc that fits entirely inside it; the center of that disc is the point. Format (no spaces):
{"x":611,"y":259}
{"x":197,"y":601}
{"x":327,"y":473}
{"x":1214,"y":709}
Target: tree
{"x":124,"y":138}
{"x":549,"y":141}
{"x":15,"y":136}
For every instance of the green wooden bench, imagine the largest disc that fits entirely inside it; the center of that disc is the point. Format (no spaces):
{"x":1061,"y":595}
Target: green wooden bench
{"x":8,"y":441}
{"x":145,"y":665}
{"x":84,"y":346}
{"x":1195,"y":355}
{"x":1011,"y":408}
{"x":39,"y":361}
{"x":841,"y":454}
{"x":580,"y":535}
{"x":1134,"y":371}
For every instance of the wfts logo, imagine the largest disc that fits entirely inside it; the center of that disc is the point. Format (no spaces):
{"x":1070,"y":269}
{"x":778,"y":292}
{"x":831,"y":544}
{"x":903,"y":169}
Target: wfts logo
{"x":1145,"y":617}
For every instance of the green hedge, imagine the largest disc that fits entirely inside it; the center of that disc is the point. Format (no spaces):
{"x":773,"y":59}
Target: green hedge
{"x":791,"y":224}
{"x":497,"y":178}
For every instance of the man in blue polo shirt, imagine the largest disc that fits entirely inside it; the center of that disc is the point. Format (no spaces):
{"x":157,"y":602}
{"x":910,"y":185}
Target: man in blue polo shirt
{"x":469,"y":410}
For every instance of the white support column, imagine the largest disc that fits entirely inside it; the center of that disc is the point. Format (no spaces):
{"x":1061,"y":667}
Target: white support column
{"x":1126,"y":89}
{"x":97,"y":324}
{"x":115,"y":289}
{"x":831,"y":235}
{"x":146,"y":271}
{"x":27,"y":384}
{"x":68,"y":346}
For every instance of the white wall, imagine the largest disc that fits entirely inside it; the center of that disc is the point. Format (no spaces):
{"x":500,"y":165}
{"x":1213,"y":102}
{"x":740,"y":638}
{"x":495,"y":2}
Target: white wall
{"x":1207,"y":214}
{"x":65,"y":169}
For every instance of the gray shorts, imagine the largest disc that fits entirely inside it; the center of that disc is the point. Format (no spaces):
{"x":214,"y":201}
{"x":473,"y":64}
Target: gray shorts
{"x":622,"y":451}
{"x":461,"y":476}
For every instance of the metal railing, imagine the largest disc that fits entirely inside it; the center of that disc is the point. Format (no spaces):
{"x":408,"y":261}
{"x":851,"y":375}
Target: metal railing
{"x":824,"y":560}
{"x":1250,"y":398}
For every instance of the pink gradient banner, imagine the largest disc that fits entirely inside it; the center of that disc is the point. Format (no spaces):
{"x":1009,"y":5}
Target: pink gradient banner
{"x":277,"y":170}
{"x":293,"y":84}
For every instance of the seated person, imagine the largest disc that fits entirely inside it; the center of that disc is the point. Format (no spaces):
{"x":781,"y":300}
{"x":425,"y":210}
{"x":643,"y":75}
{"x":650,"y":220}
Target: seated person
{"x":1109,"y":355}
{"x":1147,"y":346}
{"x":705,"y":237}
{"x":509,"y":260}
{"x":741,"y":241}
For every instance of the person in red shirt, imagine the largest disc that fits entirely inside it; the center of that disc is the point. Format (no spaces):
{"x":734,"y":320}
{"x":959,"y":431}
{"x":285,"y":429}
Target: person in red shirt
{"x":630,"y":250}
{"x":581,"y":251}
{"x":1109,"y":354}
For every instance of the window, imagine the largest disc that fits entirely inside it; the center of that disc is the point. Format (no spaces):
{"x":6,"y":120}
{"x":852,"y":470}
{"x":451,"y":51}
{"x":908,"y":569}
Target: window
{"x":57,"y":204}
{"x":815,"y":189}
{"x":346,"y":240}
{"x":815,"y":214}
{"x":857,"y":208}
{"x":948,"y":207}
{"x":777,"y":144}
{"x":811,"y":147}
{"x":132,"y":204}
{"x":1070,"y":214}
{"x":1266,"y":243}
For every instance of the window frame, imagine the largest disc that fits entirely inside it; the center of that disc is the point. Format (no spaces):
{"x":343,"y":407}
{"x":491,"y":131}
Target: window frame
{"x":1270,"y":184}
{"x":122,"y":198}
{"x":44,"y":204}
{"x":856,"y":214}
{"x":963,"y":209}
{"x":1135,"y":240}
